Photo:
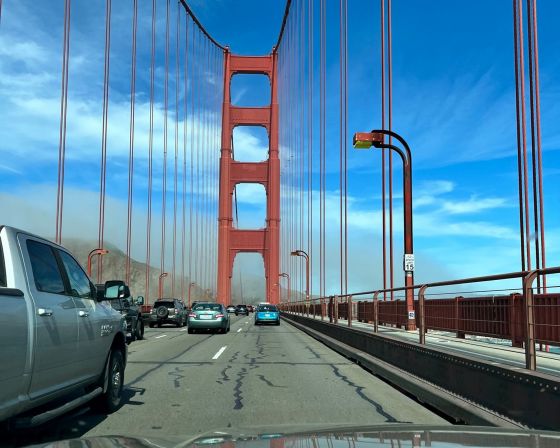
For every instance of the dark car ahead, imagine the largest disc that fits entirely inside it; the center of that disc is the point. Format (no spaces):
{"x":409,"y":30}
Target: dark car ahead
{"x":168,"y":311}
{"x":267,"y":314}
{"x":231,"y":309}
{"x":241,"y":309}
{"x":251,"y":308}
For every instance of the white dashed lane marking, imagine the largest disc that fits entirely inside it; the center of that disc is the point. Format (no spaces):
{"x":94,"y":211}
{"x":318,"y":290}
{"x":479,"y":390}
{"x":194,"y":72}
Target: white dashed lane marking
{"x":219,"y":352}
{"x":239,"y":330}
{"x":161,"y":336}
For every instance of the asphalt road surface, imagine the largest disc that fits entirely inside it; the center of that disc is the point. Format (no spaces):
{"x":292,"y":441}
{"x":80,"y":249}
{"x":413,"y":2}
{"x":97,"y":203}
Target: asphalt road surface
{"x":179,"y":384}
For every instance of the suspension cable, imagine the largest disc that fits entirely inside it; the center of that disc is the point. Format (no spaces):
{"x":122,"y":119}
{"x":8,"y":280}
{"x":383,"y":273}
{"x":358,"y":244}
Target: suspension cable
{"x":150,"y":153}
{"x":63,"y":114}
{"x":131,"y":142}
{"x":103,"y":170}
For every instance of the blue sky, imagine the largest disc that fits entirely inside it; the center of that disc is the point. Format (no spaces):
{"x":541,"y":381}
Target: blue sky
{"x":453,"y":88}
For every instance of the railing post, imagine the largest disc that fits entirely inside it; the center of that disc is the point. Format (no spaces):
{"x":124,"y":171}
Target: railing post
{"x":322,"y":302}
{"x":421,"y":310}
{"x":336,"y":309}
{"x":375,"y":312}
{"x":330,"y":309}
{"x":349,"y":306}
{"x":530,"y":354}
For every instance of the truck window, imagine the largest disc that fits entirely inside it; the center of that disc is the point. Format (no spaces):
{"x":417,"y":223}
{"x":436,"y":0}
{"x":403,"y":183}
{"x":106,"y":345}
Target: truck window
{"x":3,"y":281}
{"x":45,"y":268}
{"x":79,"y":282}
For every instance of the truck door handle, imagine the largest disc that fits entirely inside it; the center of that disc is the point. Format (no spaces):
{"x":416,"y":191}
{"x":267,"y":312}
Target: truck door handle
{"x":44,"y":312}
{"x":82,"y":313}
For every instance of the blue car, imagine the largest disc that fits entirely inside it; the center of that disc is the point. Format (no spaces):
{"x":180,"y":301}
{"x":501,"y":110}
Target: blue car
{"x":267,"y":314}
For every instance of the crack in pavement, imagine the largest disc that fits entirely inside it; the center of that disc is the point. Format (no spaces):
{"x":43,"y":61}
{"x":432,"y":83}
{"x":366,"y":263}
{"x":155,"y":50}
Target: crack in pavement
{"x":317,"y":355}
{"x":177,"y":374}
{"x":269,"y":383}
{"x":360,"y":391}
{"x":225,"y":376}
{"x":237,"y":393}
{"x":162,"y":363}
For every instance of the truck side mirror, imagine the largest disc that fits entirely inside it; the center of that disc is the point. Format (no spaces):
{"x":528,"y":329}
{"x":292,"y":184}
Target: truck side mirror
{"x":116,"y":289}
{"x":140,"y":300}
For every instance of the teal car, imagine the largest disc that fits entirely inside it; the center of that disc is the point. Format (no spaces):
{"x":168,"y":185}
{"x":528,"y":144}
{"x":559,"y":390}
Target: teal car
{"x":208,"y":316}
{"x":267,"y":314}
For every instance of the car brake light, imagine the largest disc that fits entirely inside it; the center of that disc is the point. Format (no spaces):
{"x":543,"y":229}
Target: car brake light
{"x":192,"y":315}
{"x":219,"y":315}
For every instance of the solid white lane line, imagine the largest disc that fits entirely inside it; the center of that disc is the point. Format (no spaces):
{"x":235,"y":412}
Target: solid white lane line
{"x":161,"y":336}
{"x":219,"y":352}
{"x":184,"y":329}
{"x":239,"y":330}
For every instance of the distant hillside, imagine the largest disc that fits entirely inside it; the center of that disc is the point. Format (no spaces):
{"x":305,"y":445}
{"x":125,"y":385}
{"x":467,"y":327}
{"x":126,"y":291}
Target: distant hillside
{"x":114,"y":268}
{"x":114,"y":265}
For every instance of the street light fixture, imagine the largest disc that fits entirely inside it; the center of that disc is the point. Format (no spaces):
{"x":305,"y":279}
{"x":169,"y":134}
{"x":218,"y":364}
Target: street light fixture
{"x":161,"y":277}
{"x":376,"y":138}
{"x":94,"y":252}
{"x":302,"y":253}
{"x":286,"y":275}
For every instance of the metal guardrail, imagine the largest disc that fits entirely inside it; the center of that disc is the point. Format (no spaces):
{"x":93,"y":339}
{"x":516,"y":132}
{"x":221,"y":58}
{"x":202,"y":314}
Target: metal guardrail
{"x":524,"y":318}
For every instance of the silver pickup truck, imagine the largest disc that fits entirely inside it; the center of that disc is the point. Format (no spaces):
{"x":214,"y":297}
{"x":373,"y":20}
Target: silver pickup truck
{"x":60,"y":344}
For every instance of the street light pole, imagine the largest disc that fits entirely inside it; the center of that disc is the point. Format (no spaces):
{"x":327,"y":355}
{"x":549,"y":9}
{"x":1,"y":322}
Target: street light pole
{"x":365,"y":140}
{"x":286,"y":275}
{"x":94,"y":252}
{"x":302,"y":253}
{"x":191,"y":284}
{"x":161,"y":277}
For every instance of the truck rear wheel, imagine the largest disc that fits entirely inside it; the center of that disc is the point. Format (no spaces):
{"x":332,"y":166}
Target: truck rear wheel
{"x":110,"y":401}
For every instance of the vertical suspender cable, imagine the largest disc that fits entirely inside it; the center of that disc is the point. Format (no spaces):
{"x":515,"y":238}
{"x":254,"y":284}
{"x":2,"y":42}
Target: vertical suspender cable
{"x":191,"y":201}
{"x":150,"y":153}
{"x":322,"y":108}
{"x":164,"y":175}
{"x":390,"y":154}
{"x":103,"y":170}
{"x":184,"y":177}
{"x":63,"y":112}
{"x":524,"y":132}
{"x":343,"y":152}
{"x":345,"y":140}
{"x":131,"y":142}
{"x":197,"y":205}
{"x":533,"y":143}
{"x":310,"y":145}
{"x":301,"y":97}
{"x":536,"y":153}
{"x":174,"y":271}
{"x":383,"y":169}
{"x":518,"y":99}
{"x":539,"y":137}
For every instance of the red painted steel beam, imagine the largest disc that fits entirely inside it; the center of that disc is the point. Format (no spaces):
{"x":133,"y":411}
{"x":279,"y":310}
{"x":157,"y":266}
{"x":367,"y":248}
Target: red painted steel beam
{"x":250,"y":116}
{"x":249,"y":172}
{"x":255,"y":65}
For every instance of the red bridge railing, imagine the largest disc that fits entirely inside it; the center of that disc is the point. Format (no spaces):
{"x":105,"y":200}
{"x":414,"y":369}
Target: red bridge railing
{"x":525,"y":318}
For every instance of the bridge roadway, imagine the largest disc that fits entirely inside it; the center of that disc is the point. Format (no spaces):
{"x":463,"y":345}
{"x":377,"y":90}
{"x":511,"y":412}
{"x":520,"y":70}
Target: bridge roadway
{"x":178,"y":384}
{"x":495,"y":353}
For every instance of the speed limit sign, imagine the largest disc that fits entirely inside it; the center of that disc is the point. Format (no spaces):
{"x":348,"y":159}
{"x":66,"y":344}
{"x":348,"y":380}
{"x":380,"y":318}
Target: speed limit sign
{"x":408,"y":263}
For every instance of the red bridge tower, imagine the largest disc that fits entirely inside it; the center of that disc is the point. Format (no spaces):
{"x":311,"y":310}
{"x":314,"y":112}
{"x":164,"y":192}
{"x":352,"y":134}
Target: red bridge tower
{"x":265,"y":241}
